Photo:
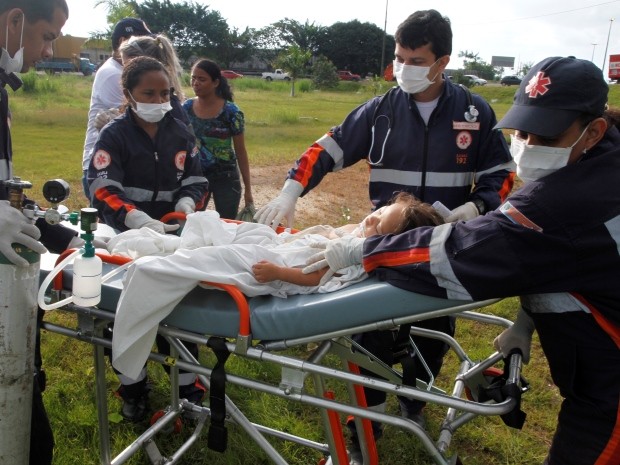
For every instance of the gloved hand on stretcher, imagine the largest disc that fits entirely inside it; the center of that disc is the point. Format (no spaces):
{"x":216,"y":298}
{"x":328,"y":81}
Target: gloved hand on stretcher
{"x":16,"y":228}
{"x":282,"y":207}
{"x":185,"y":205}
{"x":465,"y":212}
{"x":137,"y":219}
{"x":338,"y":255}
{"x":518,"y":336}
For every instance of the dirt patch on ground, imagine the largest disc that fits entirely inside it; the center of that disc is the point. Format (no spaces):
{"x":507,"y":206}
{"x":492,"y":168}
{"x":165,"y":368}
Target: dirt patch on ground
{"x":339,"y":195}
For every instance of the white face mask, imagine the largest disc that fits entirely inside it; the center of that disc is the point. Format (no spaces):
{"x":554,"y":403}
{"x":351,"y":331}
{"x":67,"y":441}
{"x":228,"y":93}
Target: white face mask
{"x":412,"y":79}
{"x":15,"y":64}
{"x":151,"y":112}
{"x":536,"y":161}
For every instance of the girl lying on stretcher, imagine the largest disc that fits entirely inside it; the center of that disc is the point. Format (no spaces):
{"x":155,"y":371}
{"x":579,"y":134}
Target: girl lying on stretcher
{"x":404,"y":212}
{"x":250,"y":256}
{"x":255,"y":258}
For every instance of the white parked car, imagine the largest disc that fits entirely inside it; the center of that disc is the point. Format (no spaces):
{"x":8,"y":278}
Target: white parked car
{"x":476,"y":80}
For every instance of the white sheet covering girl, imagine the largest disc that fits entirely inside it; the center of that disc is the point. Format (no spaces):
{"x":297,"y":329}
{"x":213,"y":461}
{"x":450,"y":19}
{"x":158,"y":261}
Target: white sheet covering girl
{"x":209,"y":249}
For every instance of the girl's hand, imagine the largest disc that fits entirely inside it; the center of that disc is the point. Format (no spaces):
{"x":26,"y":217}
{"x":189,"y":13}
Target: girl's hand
{"x":265,"y":271}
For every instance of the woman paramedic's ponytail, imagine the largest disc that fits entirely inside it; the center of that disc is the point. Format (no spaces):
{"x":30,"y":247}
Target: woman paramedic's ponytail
{"x":160,"y":48}
{"x":213,"y":70}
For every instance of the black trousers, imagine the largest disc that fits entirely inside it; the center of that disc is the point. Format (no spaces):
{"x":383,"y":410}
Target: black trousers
{"x":584,"y":362}
{"x":380,"y":344}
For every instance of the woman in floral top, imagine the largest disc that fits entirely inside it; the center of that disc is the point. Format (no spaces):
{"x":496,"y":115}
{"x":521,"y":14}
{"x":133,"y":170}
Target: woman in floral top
{"x":218,"y":124}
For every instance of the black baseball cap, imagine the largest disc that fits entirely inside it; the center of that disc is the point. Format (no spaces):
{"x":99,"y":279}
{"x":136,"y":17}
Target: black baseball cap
{"x":554,"y":94}
{"x":128,"y":27}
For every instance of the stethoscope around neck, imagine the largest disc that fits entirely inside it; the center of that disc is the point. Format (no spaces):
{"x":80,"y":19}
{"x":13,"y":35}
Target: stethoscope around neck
{"x":470,"y":115}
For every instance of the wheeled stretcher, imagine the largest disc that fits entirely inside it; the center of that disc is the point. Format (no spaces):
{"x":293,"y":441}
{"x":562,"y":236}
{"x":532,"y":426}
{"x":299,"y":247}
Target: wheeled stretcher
{"x":264,"y":329}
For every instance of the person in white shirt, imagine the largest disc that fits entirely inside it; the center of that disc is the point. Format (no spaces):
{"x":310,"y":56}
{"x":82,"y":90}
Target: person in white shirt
{"x":107,"y":92}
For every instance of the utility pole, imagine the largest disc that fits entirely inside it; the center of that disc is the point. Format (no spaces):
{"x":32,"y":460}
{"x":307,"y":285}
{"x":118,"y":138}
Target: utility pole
{"x":383,"y":44}
{"x":593,"y":48}
{"x":611,"y":21}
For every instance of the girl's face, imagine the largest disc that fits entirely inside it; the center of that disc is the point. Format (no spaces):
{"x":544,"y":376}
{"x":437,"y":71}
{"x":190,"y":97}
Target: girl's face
{"x":385,"y":220}
{"x":153,"y":87}
{"x":202,"y":84}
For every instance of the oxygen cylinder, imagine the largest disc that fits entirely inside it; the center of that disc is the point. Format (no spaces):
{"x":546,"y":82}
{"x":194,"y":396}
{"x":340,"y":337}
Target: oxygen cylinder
{"x":18,"y":319}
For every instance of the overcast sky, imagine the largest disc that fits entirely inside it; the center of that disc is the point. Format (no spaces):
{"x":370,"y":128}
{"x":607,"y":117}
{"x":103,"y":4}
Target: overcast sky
{"x":528,"y":30}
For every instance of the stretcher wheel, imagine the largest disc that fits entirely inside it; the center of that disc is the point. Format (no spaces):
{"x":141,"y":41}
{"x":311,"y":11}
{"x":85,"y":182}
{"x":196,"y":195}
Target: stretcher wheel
{"x":490,"y":374}
{"x":176,"y":427}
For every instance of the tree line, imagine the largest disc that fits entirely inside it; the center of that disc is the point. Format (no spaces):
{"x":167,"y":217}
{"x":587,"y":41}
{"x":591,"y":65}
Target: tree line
{"x":198,"y":31}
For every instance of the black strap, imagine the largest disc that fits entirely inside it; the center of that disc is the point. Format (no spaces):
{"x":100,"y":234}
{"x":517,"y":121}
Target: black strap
{"x":401,"y":350}
{"x":499,"y":390}
{"x":217,"y":438}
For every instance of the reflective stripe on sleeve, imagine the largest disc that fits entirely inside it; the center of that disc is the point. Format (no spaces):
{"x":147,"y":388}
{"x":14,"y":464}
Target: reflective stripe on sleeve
{"x":440,"y":265}
{"x":333,"y":149}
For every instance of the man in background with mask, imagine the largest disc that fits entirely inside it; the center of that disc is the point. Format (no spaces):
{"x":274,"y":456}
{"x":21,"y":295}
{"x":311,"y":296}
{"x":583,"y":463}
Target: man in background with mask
{"x":428,"y":137}
{"x":555,"y":242}
{"x":27,"y":30}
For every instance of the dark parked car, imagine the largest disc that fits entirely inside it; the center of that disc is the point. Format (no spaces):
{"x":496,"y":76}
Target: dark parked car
{"x":510,"y":81}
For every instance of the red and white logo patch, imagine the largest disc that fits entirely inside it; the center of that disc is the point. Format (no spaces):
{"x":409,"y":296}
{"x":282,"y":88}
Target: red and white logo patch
{"x":179,"y":160}
{"x":101,"y":160}
{"x":538,"y":85}
{"x":463,"y":139}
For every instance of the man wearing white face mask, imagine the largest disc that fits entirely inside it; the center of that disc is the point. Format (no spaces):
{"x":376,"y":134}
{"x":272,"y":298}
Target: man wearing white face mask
{"x":421,"y":137}
{"x":555,"y":242}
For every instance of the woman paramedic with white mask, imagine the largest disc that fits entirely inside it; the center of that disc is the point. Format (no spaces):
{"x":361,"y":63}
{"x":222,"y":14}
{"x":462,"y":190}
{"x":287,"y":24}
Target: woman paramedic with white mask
{"x":555,"y":242}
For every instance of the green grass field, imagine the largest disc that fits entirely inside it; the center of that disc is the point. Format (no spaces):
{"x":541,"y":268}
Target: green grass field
{"x":48,"y":134}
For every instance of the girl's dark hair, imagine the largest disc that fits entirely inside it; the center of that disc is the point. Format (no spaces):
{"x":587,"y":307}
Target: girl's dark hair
{"x":415,"y":213}
{"x":213,"y":70}
{"x":426,"y":27}
{"x":135,"y":69}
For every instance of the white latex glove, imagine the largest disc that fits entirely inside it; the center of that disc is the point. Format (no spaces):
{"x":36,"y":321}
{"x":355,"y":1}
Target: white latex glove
{"x":98,"y":243}
{"x":518,"y":336}
{"x":16,"y":228}
{"x":185,"y":205}
{"x":338,"y":254}
{"x":283,"y":206}
{"x":465,"y":212}
{"x":137,"y":219}
{"x":105,"y":116}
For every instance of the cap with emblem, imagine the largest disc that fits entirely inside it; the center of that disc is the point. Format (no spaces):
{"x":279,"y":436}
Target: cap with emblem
{"x":128,"y":27}
{"x":554,"y":93}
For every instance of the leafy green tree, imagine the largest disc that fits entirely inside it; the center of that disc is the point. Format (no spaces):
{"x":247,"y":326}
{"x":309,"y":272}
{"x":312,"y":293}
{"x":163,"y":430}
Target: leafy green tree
{"x":306,"y":36}
{"x":472,"y":64}
{"x":324,"y":75}
{"x":356,"y":46}
{"x":192,"y":28}
{"x":295,"y":62}
{"x":116,"y":10}
{"x":525,"y":68}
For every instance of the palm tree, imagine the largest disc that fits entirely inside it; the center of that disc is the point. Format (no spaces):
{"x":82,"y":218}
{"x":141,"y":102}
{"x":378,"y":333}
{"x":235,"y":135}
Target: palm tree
{"x":294,"y":61}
